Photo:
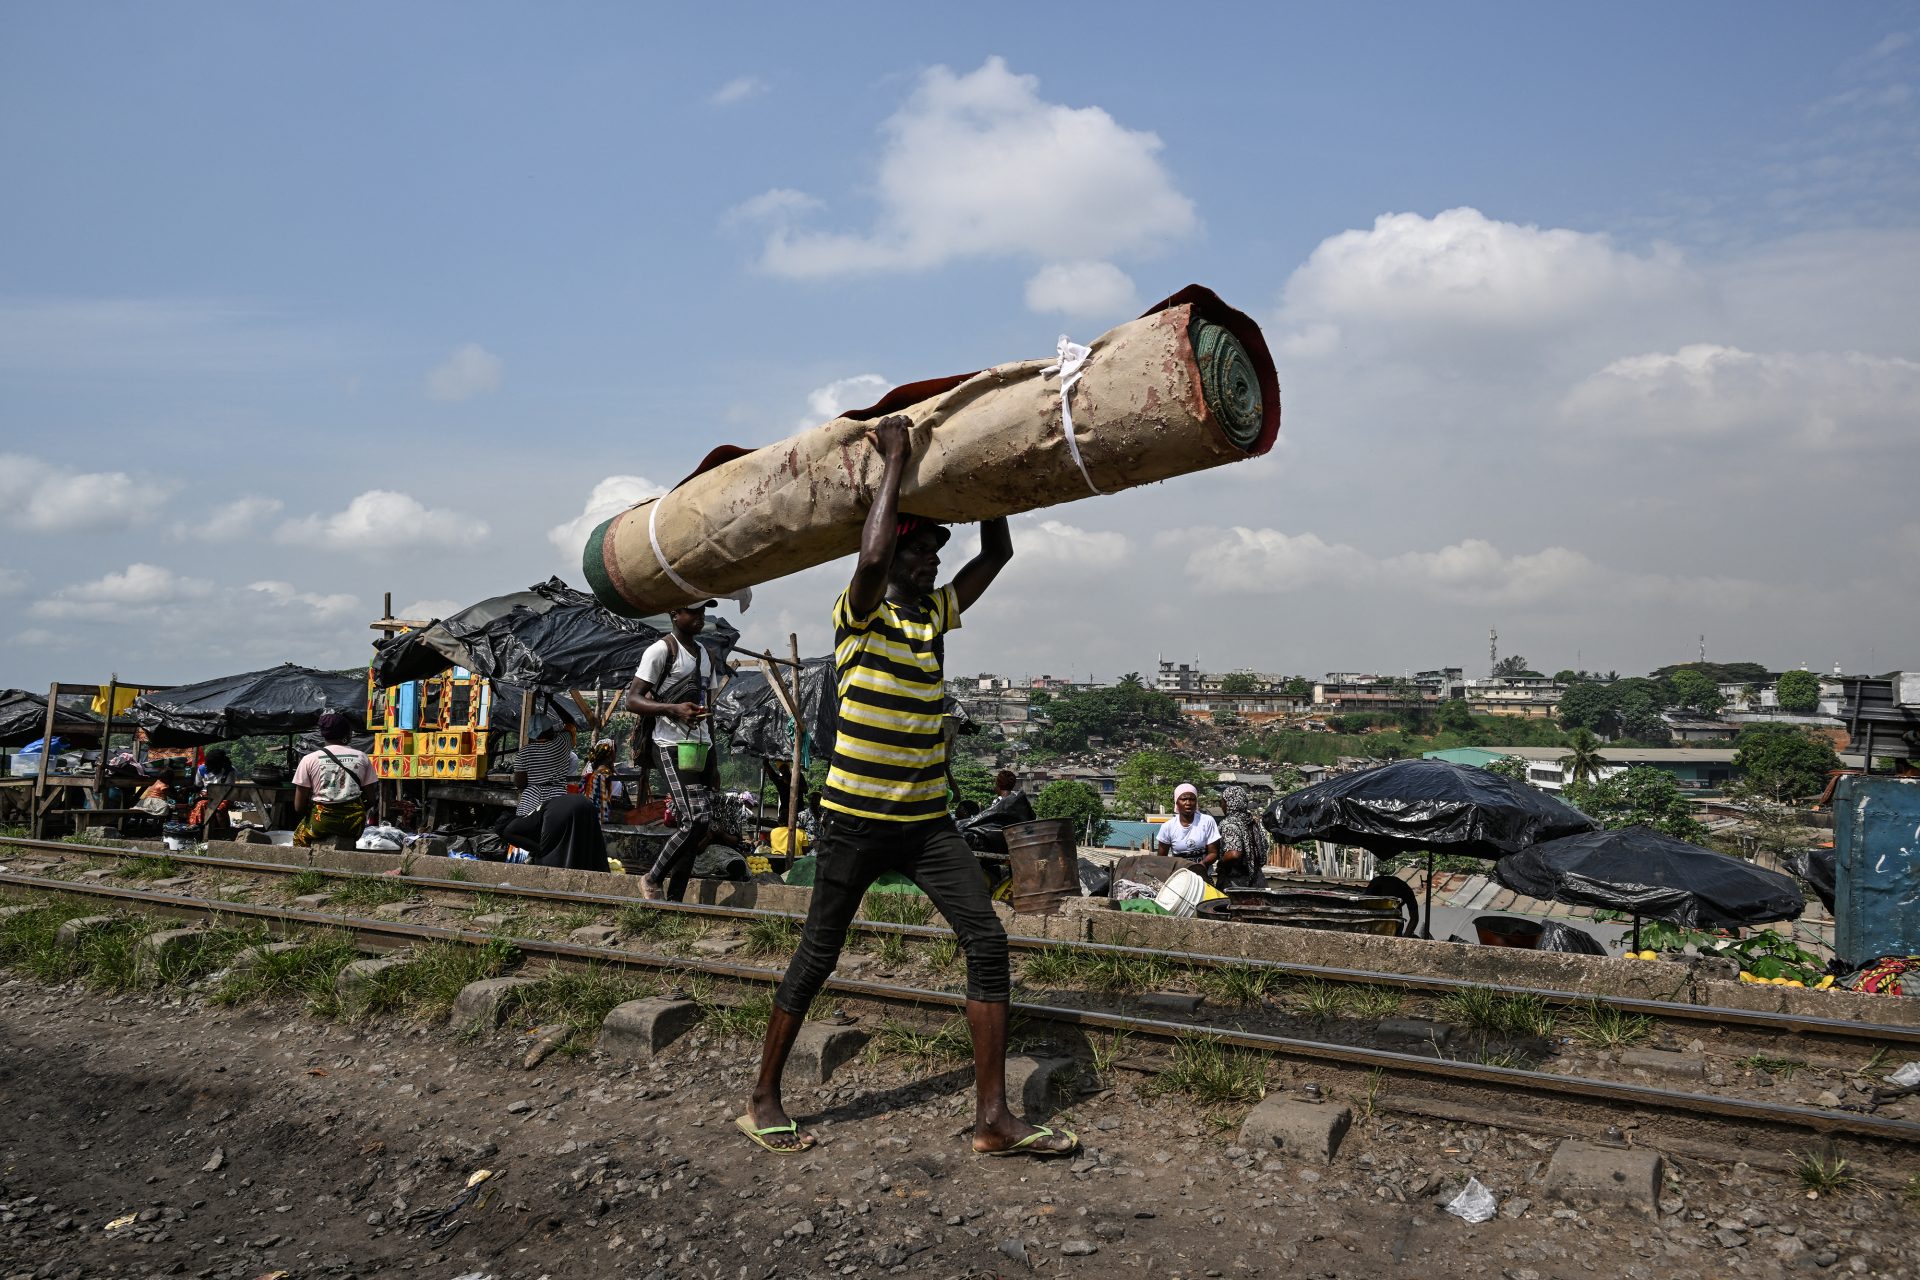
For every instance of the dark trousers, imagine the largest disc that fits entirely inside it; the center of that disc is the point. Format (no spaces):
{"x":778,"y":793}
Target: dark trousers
{"x":853,"y":853}
{"x":563,"y":832}
{"x":693,"y":807}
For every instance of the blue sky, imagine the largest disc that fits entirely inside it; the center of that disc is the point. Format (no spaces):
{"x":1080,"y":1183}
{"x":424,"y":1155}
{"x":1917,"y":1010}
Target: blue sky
{"x":1592,"y":325}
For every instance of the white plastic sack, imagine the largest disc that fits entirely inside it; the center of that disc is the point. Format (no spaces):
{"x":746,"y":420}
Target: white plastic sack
{"x":1907,"y":1077}
{"x":1474,"y":1203}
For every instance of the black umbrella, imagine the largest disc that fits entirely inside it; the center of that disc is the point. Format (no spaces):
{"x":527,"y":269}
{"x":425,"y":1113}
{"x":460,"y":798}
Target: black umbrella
{"x":549,"y":636}
{"x":1411,"y":805}
{"x":279,"y":700}
{"x":1652,"y":875}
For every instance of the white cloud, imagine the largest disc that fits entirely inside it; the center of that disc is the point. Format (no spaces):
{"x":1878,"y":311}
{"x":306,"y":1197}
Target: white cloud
{"x":1707,"y":390}
{"x":978,"y":165}
{"x":1254,"y":562}
{"x":470,"y":371}
{"x":1082,"y":289}
{"x":780,"y":206}
{"x":738,"y":89}
{"x":130,"y":593}
{"x":12,"y":581}
{"x":609,"y":498}
{"x":824,"y":404}
{"x":41,"y":497}
{"x":229,"y":521}
{"x":384,"y":520}
{"x":428,"y":610}
{"x":1462,"y":268}
{"x":284,"y":595}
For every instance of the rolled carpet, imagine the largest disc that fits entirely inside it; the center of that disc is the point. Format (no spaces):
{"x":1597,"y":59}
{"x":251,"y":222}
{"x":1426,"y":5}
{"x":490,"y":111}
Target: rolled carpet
{"x":1186,"y":387}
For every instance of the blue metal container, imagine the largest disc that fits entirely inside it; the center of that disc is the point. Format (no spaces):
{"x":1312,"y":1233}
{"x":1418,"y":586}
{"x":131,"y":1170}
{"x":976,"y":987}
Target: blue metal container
{"x":1876,"y":843}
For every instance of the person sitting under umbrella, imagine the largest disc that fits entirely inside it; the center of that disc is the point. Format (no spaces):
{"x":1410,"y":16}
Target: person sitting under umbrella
{"x":1189,"y":833}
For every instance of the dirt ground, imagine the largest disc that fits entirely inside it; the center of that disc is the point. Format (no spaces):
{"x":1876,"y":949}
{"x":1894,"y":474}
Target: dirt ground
{"x":263,"y":1141}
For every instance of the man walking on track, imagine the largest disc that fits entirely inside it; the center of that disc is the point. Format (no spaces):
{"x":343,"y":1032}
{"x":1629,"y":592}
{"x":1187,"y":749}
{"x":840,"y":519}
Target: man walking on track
{"x":884,"y":807}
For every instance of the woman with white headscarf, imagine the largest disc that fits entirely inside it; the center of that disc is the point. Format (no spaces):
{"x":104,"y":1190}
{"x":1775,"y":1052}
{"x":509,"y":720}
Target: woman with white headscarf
{"x":1189,"y":833}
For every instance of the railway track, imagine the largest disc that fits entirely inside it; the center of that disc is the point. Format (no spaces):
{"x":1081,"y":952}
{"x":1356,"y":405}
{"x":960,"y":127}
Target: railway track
{"x":1703,"y":1124}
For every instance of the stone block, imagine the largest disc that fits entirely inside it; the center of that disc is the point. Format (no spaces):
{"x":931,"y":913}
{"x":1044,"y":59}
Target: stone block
{"x":248,"y":835}
{"x":312,"y":901}
{"x":1304,"y":1130}
{"x":397,"y":910}
{"x":1588,"y":1173}
{"x":72,"y":933}
{"x":715,"y":946}
{"x":168,"y":945}
{"x":1170,"y":1002}
{"x":643,"y":1028}
{"x":100,"y":833}
{"x":248,"y":960}
{"x":492,"y":920}
{"x":7,"y":913}
{"x":822,"y":1049}
{"x":1665,"y":1062}
{"x":1037,"y":1087}
{"x":361,"y":974}
{"x":594,"y":935}
{"x":170,"y":882}
{"x":485,"y":1001}
{"x":1414,"y":1031}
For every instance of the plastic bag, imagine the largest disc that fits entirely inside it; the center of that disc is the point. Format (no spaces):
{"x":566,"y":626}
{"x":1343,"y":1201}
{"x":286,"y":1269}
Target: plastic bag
{"x":1474,"y":1203}
{"x":1555,"y":936}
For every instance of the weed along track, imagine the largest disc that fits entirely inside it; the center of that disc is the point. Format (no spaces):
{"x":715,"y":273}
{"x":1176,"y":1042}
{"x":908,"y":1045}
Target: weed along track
{"x":1243,"y":1029}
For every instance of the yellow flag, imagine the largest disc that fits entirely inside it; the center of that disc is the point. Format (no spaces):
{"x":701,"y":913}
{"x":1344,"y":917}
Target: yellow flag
{"x":122,"y":699}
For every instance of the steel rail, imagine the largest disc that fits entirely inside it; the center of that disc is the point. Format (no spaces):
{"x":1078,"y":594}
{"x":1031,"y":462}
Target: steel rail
{"x":1576,"y":1089}
{"x":1795,"y":1024}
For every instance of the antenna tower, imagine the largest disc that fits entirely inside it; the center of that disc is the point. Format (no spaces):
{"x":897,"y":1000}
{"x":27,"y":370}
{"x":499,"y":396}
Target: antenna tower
{"x":1703,"y":648}
{"x":1493,"y":649}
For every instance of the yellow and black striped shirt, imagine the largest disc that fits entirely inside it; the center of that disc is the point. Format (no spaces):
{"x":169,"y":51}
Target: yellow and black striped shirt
{"x":889,"y":751}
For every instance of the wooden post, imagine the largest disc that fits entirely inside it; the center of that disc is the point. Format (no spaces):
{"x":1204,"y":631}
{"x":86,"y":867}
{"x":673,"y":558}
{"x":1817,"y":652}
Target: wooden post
{"x":106,"y":737}
{"x":46,"y":750}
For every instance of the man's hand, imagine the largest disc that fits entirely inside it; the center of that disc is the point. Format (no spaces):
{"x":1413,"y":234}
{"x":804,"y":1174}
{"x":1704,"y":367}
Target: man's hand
{"x":890,"y":437}
{"x":686,"y":712}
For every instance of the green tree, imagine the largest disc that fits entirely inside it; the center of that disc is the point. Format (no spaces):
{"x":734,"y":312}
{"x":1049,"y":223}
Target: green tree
{"x":1695,"y":691}
{"x":1455,"y":717}
{"x":1566,"y":675}
{"x":1300,"y":687}
{"x":1237,"y":682}
{"x":971,"y":780}
{"x":1511,"y":665}
{"x":1038,"y":699}
{"x":1066,"y":798}
{"x":1512,"y":768}
{"x":1798,"y":692}
{"x":1583,"y":761}
{"x":1228,"y":718}
{"x":1593,"y":707}
{"x":1147,"y":780}
{"x":1122,"y":713}
{"x":1779,"y":762}
{"x":1641,"y":794}
{"x":1132,"y":680}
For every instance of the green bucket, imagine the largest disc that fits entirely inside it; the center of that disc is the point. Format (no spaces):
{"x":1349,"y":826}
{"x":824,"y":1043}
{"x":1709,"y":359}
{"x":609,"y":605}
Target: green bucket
{"x":691,"y":756}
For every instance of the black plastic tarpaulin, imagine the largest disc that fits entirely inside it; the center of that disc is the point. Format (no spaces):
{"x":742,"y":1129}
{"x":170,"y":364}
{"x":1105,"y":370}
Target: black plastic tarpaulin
{"x":1653,"y":876}
{"x":286,"y":699}
{"x":1412,"y":805}
{"x":1818,"y":868}
{"x":549,"y":636}
{"x":23,"y":719}
{"x":756,"y":724}
{"x":1424,"y":804}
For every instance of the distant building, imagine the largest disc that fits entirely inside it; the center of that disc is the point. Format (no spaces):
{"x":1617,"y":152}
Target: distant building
{"x":1532,"y":697}
{"x":1701,"y":770}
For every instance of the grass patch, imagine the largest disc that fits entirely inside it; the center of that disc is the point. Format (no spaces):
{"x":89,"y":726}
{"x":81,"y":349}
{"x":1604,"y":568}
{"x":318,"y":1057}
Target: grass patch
{"x":1372,"y":1001}
{"x":1609,"y":1028}
{"x":896,"y":908}
{"x":657,"y":925}
{"x":944,"y":954}
{"x":1826,"y":1175}
{"x":371,"y":891}
{"x":306,"y":972}
{"x":149,"y":867}
{"x":1056,"y":967}
{"x":948,"y":1043}
{"x":305,"y":883}
{"x":579,"y":998}
{"x":1209,"y":1073}
{"x":426,"y":985}
{"x":771,"y":936}
{"x":1376,"y":1085}
{"x":27,"y":941}
{"x":1317,"y":1000}
{"x":744,"y":1019}
{"x":1236,"y":983}
{"x":1782,"y":1067}
{"x":1108,"y":1050}
{"x":890,"y":949}
{"x":1515,"y":1059}
{"x":1498,"y":1013}
{"x":578,"y":918}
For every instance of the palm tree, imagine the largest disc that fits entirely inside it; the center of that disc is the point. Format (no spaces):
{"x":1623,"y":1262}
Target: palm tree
{"x":1583,"y":761}
{"x":1132,"y":680}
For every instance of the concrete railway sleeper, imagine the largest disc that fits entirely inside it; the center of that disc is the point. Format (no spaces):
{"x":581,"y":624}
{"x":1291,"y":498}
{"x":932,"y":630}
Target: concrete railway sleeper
{"x":1843,"y":1033}
{"x":1575,"y":1105}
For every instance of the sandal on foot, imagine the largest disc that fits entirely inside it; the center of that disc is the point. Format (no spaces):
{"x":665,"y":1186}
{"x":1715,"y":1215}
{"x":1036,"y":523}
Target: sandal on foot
{"x":650,"y":891}
{"x":1029,"y":1145}
{"x":802,"y":1141}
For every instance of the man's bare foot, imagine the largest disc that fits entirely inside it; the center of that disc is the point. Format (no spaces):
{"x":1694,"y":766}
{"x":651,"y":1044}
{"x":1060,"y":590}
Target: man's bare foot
{"x":649,"y":890}
{"x":1010,"y":1137}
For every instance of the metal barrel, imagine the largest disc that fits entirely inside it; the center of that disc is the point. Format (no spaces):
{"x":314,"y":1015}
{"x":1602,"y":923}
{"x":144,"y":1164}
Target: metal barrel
{"x":1046,"y":865}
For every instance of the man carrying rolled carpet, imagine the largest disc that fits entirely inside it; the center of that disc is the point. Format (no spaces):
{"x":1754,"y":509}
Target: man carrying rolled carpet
{"x":884,"y":807}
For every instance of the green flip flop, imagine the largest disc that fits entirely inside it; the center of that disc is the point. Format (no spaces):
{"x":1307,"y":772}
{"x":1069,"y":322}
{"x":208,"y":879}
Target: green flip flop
{"x":745,"y":1125}
{"x":1026,"y":1147}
